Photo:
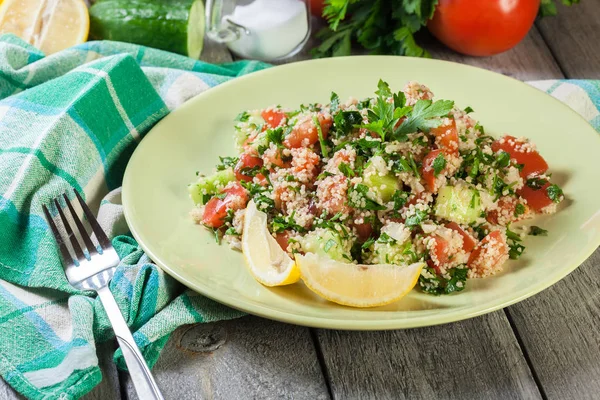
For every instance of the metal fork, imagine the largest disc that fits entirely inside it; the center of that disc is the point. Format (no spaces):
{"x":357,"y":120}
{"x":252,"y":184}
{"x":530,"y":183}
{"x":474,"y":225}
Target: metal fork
{"x":93,"y":271}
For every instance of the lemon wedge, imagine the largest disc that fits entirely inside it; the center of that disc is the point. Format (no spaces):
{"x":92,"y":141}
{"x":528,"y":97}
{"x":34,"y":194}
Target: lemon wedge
{"x":266,"y":260}
{"x":49,"y":25}
{"x":357,"y":285}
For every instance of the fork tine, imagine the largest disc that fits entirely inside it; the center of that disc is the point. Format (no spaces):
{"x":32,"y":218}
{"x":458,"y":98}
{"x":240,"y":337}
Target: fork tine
{"x":67,"y":260}
{"x":100,"y":235}
{"x":70,"y":234}
{"x":91,"y":248}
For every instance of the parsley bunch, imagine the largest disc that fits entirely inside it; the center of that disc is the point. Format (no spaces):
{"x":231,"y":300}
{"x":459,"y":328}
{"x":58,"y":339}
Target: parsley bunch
{"x":385,"y":26}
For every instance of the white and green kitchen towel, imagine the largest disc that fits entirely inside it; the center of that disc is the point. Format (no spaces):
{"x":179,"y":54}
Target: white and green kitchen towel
{"x":72,"y":120}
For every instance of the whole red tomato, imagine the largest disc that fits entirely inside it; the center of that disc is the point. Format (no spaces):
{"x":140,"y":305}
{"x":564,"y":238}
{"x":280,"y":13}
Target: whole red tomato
{"x":316,"y":7}
{"x":482,"y":27}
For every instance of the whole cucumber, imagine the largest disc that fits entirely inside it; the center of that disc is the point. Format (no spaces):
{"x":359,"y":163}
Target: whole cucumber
{"x":172,"y":25}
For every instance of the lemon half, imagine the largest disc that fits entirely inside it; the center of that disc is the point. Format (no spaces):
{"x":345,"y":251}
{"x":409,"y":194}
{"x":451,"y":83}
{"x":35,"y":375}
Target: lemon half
{"x":49,"y":25}
{"x":266,"y":260}
{"x":357,"y":285}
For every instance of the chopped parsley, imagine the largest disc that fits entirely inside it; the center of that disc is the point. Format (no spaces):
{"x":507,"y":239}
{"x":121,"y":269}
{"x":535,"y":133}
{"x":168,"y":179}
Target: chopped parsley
{"x":424,"y":116}
{"x":226,"y":162}
{"x":357,"y":198}
{"x":434,"y":284}
{"x":502,"y":159}
{"x":469,"y":110}
{"x":282,"y":223}
{"x":345,"y":121}
{"x":515,"y":248}
{"x":242,"y":117}
{"x":330,"y":243}
{"x":334,"y":102}
{"x":439,"y":163}
{"x":346,"y":170}
{"x":555,"y":193}
{"x":321,"y":138}
{"x":519,"y":210}
{"x":415,"y":219}
{"x":537,"y":231}
{"x":536,"y":183}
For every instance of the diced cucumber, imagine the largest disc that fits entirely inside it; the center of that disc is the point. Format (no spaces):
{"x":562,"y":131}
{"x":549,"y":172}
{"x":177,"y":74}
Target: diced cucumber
{"x":459,"y":204}
{"x":327,"y":243}
{"x":381,"y":182}
{"x":382,"y":187}
{"x":393,"y":253}
{"x":210,"y":185}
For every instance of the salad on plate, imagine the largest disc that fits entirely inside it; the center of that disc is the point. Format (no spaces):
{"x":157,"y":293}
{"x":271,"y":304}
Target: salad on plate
{"x":363,"y":200}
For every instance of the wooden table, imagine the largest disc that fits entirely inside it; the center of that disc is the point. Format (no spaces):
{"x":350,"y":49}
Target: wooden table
{"x":546,"y":347}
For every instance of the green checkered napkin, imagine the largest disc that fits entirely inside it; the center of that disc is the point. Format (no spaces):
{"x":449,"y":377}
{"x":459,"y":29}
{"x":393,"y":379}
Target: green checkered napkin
{"x":72,"y":120}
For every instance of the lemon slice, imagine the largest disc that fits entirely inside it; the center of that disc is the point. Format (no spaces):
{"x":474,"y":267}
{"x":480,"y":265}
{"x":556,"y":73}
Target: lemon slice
{"x":49,"y":25}
{"x":357,"y":285}
{"x":266,"y":260}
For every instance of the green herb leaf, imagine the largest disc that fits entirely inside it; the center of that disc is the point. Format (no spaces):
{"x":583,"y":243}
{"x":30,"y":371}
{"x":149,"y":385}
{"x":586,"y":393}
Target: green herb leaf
{"x":242,"y":117}
{"x":330,"y":243}
{"x":537,"y":231}
{"x":346,"y":170}
{"x":334,"y":102}
{"x":555,"y":193}
{"x":344,"y":121}
{"x":227,"y":162}
{"x":536,"y":183}
{"x":519,"y":210}
{"x":424,"y":116}
{"x":469,"y":110}
{"x":502,"y":159}
{"x":415,"y":219}
{"x":434,"y":284}
{"x":321,"y":138}
{"x":439,"y":163}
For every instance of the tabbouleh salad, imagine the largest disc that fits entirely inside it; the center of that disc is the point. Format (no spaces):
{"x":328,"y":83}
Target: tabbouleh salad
{"x":395,"y":178}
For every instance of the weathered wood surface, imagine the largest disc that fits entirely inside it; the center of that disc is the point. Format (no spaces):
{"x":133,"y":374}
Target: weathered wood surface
{"x":247,"y":358}
{"x":473,"y":359}
{"x":574,"y":39}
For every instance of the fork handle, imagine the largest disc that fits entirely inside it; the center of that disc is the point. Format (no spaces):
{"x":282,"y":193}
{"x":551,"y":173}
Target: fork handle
{"x":142,"y":378}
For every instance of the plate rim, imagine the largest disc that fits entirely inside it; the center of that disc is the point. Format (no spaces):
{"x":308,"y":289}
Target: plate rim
{"x":346,"y":324}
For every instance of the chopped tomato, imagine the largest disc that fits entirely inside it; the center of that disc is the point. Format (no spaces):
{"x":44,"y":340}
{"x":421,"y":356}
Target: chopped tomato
{"x":489,"y":252}
{"x":246,"y":161}
{"x":505,"y":213}
{"x":439,"y":252}
{"x":305,"y":133}
{"x":536,"y":198}
{"x":468,"y":240}
{"x":282,"y":239}
{"x":427,"y":171}
{"x":273,"y":117}
{"x":235,"y":189}
{"x":216,"y":209}
{"x":533,"y":162}
{"x":446,"y":137}
{"x":363,"y":231}
{"x":275,"y":158}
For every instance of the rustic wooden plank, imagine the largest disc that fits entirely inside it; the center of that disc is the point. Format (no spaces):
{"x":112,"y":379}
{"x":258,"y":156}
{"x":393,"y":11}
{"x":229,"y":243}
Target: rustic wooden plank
{"x":574,"y":37}
{"x":473,"y":359}
{"x":559,"y":329}
{"x":529,"y":60}
{"x":247,"y":358}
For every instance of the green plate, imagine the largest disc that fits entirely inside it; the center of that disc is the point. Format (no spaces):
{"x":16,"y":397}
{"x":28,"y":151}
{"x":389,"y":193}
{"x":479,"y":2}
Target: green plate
{"x":190,"y":139}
